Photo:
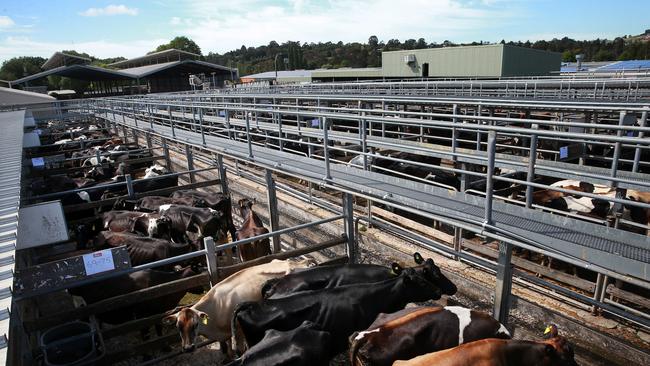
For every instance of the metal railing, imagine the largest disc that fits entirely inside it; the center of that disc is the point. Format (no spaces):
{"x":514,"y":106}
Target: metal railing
{"x":254,"y":121}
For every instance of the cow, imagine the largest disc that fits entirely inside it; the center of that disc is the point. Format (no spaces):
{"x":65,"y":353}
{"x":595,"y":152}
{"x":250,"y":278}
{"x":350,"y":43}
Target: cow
{"x":153,"y":203}
{"x":155,"y":170}
{"x":211,"y":315}
{"x":415,"y":331}
{"x":303,"y":346}
{"x":155,"y":183}
{"x":141,"y":249}
{"x":216,"y":201}
{"x":150,"y":224}
{"x":133,"y":282}
{"x":340,"y":311}
{"x":251,"y":227}
{"x":337,"y":275}
{"x":555,"y":351}
{"x":201,"y":221}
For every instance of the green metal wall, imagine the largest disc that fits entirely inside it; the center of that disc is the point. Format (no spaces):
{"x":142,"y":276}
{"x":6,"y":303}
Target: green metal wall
{"x":518,"y":61}
{"x":482,"y":61}
{"x":471,"y":61}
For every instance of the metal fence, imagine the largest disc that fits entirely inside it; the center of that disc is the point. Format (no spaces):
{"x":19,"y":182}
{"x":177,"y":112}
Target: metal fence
{"x":478,"y":134}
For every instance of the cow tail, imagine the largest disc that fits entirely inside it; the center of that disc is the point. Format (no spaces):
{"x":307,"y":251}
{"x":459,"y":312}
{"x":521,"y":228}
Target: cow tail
{"x":354,"y":348}
{"x":236,"y":331}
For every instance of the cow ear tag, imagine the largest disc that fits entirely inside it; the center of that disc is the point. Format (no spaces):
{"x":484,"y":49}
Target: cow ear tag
{"x":418,"y":258}
{"x":204,"y":319}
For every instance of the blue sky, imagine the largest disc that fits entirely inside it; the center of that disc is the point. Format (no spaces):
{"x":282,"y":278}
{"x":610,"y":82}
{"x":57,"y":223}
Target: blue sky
{"x":132,"y":28}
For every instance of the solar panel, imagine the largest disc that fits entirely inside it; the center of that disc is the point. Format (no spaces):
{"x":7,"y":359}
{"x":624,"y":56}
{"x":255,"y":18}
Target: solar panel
{"x":627,"y":65}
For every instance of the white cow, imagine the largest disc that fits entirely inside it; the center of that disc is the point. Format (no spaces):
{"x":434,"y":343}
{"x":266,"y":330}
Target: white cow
{"x":212,"y":314}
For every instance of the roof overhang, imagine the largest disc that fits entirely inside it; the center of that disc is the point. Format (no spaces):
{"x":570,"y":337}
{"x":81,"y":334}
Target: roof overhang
{"x":81,"y":72}
{"x":156,"y":58}
{"x":64,"y":59}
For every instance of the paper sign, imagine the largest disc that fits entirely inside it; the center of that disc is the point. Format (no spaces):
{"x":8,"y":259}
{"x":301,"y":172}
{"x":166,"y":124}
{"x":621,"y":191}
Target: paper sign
{"x":38,"y":131}
{"x":38,"y":161}
{"x":98,"y":262}
{"x":564,"y":152}
{"x":315,"y":122}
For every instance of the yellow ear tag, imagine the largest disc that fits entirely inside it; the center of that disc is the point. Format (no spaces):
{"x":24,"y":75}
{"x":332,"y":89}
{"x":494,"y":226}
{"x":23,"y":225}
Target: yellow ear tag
{"x":205,"y":321}
{"x":547,"y":330}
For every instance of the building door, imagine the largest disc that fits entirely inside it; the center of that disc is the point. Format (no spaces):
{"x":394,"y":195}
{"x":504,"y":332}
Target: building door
{"x":425,"y":70}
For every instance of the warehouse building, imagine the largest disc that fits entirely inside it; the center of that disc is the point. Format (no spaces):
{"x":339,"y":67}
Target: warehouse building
{"x":485,"y":61}
{"x":158,"y":72}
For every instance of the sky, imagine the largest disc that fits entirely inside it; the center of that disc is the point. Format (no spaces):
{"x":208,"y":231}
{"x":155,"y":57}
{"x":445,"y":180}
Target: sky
{"x":132,"y":28}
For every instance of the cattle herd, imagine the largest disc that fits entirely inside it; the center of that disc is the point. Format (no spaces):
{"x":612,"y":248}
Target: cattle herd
{"x":287,"y":313}
{"x":278,"y":313}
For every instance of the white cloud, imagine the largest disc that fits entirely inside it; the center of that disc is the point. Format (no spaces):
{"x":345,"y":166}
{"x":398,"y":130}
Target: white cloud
{"x":25,"y":46}
{"x":109,"y":10}
{"x":255,"y":22}
{"x":6,"y":22}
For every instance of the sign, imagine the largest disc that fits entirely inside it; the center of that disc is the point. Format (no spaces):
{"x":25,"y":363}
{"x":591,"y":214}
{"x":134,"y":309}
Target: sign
{"x":38,"y":131}
{"x":38,"y":162}
{"x":315,"y":122}
{"x":564,"y":152}
{"x":98,"y":262}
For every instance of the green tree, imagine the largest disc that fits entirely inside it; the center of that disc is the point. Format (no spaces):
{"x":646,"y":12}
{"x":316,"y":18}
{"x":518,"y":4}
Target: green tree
{"x":180,"y":43}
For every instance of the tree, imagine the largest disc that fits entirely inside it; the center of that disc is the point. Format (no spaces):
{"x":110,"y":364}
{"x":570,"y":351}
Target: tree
{"x":180,"y":43}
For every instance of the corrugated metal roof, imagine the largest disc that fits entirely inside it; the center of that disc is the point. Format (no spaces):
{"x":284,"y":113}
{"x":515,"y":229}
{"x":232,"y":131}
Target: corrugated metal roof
{"x":281,"y":74}
{"x":156,"y":57}
{"x":11,"y":146}
{"x":143,"y":71}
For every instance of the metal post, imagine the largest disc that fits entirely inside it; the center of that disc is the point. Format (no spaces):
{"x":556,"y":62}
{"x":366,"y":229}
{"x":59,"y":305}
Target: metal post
{"x":492,"y":143}
{"x":148,"y":139}
{"x":617,"y":149}
{"x":129,"y":186}
{"x":348,"y":211}
{"x":280,"y":142}
{"x":248,"y":135}
{"x":201,"y":124}
{"x":126,"y":137}
{"x":364,"y":142}
{"x":149,"y":111}
{"x":227,"y":119}
{"x":190,"y":162}
{"x":637,"y":151}
{"x":600,"y":282}
{"x":171,"y":120}
{"x":273,"y":209}
{"x":168,"y":161}
{"x":504,"y":284}
{"x":531,"y":167}
{"x":454,"y":137}
{"x":326,"y":154}
{"x":211,"y":260}
{"x":135,"y":120}
{"x":458,"y":239}
{"x":222,"y":174}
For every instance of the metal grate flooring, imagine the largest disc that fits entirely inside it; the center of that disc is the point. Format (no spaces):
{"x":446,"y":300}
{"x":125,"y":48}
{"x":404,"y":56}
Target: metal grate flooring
{"x":619,"y":251}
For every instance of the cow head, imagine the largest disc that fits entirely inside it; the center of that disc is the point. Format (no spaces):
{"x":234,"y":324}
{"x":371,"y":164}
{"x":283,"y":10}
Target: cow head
{"x":432,"y":273}
{"x":557,"y":350}
{"x":245,"y":206}
{"x":158,"y":226}
{"x":424,"y":288}
{"x":188,"y":321}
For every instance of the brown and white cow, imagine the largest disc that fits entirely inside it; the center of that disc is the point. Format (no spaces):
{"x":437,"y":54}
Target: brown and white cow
{"x":202,"y":222}
{"x":150,"y":224}
{"x":141,"y":249}
{"x":415,"y":331}
{"x":251,"y":227}
{"x":216,"y":201}
{"x":555,"y":351}
{"x":211,"y":316}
